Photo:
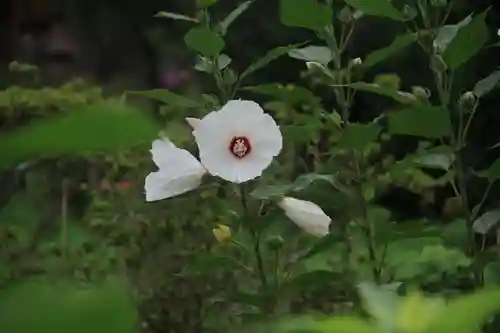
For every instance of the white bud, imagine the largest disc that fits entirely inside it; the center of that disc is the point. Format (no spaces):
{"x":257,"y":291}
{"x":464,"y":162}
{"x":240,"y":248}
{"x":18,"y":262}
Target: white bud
{"x":314,"y":65}
{"x":355,"y":62}
{"x":307,"y":215}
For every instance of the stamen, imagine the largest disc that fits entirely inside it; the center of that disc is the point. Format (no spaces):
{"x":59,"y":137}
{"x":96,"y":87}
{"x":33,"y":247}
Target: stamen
{"x":240,"y":146}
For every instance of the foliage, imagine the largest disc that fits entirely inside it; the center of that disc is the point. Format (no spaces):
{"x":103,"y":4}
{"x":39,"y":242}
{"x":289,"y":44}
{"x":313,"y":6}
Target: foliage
{"x":225,"y":256}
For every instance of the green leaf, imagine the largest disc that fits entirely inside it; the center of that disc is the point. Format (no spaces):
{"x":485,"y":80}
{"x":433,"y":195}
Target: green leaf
{"x":270,"y":56}
{"x":168,"y":97}
{"x":347,"y":325}
{"x":359,"y":136}
{"x":319,"y":54}
{"x":486,"y":84}
{"x":486,"y":222}
{"x":304,"y":181}
{"x":468,"y":312}
{"x":300,"y":184}
{"x":312,"y":280}
{"x":307,"y":14}
{"x":324,"y":243}
{"x":399,"y":43}
{"x":205,"y":3}
{"x":441,"y":157}
{"x":224,"y":25}
{"x":175,"y":16}
{"x":270,"y":191}
{"x":382,"y":304}
{"x":417,"y":312}
{"x":101,"y":127}
{"x":399,"y":96}
{"x":291,"y":94}
{"x":468,"y":41}
{"x":59,"y":307}
{"x":493,"y":172}
{"x":448,"y":32}
{"x":205,"y":65}
{"x":337,"y":324}
{"x":204,"y":41}
{"x":381,"y":8}
{"x":421,"y":120}
{"x":21,"y":217}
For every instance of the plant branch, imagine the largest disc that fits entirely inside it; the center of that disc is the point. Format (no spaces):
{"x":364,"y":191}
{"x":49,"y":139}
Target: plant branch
{"x":256,"y":239}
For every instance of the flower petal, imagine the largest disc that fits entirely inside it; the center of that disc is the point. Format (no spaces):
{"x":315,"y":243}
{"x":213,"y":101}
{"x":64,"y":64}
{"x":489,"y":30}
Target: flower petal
{"x":215,"y":131}
{"x":193,"y":122}
{"x":179,"y":171}
{"x":266,"y":136}
{"x":167,"y":155}
{"x":159,"y":186}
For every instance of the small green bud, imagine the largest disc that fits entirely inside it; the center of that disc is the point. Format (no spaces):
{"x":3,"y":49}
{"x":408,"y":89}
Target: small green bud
{"x":345,"y":14}
{"x":421,"y":92}
{"x":275,"y":243}
{"x":409,"y":12}
{"x":356,"y":62}
{"x":406,"y":98}
{"x":468,"y":101}
{"x":315,"y":66}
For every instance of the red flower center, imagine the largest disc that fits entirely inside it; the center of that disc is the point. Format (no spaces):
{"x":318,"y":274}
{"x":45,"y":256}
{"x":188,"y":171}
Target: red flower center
{"x":240,"y":146}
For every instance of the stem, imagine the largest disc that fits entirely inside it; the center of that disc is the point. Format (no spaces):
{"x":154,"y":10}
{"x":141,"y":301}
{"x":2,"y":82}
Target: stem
{"x":444,"y":83}
{"x":276,"y":268}
{"x":344,"y":99}
{"x":368,"y":226}
{"x":256,"y":240}
{"x":467,"y":125}
{"x":477,"y":209}
{"x":64,"y":218}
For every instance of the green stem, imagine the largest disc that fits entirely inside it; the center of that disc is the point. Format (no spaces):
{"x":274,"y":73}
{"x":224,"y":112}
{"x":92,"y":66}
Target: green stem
{"x":444,"y":82}
{"x":64,"y":218}
{"x":368,"y":226}
{"x":343,"y":100}
{"x":276,"y":268}
{"x":256,"y":242}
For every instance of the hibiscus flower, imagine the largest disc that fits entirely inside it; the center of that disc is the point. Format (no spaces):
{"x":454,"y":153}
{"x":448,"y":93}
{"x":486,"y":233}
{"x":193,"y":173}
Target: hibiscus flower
{"x":238,"y":142}
{"x":178,"y":171}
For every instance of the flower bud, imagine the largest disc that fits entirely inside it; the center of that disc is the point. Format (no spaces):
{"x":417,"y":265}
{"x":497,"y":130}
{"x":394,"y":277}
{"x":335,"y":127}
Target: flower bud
{"x":275,"y":243}
{"x":356,"y":62}
{"x":313,"y":65}
{"x":409,"y":12}
{"x":421,"y":92}
{"x":406,"y":98}
{"x":453,"y":207}
{"x":468,"y":101}
{"x":307,"y":215}
{"x":222,"y":233}
{"x":345,"y":14}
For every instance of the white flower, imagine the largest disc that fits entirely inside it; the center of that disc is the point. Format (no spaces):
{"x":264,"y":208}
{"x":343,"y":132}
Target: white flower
{"x":178,"y":171}
{"x":193,"y":122}
{"x":307,"y":215}
{"x":237,"y":142}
